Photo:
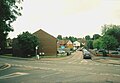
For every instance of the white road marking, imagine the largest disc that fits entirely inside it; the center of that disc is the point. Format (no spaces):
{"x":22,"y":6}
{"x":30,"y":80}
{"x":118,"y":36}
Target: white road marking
{"x":73,"y":61}
{"x":42,"y":68}
{"x":7,"y":66}
{"x":116,"y":75}
{"x":105,"y":74}
{"x":109,"y":65}
{"x":84,"y":61}
{"x":116,"y":65}
{"x":97,"y":64}
{"x":50,"y":75}
{"x":16,"y":74}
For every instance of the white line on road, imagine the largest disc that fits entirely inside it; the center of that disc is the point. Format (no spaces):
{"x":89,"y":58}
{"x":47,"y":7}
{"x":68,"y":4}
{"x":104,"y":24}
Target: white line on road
{"x":105,"y":74}
{"x":50,"y":75}
{"x":109,"y":64}
{"x":84,"y":61}
{"x":73,"y":61}
{"x":42,"y":68}
{"x":116,"y":65}
{"x":7,"y":66}
{"x":97,"y":64}
{"x":16,"y":74}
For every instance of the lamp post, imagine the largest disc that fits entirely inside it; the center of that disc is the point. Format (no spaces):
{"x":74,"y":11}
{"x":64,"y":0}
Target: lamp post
{"x":36,"y":48}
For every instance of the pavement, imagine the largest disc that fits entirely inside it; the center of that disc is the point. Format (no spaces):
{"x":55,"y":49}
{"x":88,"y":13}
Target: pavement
{"x":35,"y":58}
{"x":107,"y":60}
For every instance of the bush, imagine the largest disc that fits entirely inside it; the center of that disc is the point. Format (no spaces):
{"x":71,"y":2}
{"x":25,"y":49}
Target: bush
{"x":24,"y":45}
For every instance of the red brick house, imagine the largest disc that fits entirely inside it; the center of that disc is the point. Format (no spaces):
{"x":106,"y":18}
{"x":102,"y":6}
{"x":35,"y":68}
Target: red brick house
{"x":48,"y":43}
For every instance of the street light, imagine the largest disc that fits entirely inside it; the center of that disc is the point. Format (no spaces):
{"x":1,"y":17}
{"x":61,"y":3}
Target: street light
{"x":36,"y":48}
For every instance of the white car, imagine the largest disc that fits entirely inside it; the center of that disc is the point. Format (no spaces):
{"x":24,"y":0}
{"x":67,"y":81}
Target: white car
{"x":60,"y":51}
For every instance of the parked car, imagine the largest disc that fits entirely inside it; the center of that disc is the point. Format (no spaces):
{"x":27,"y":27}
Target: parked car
{"x":60,"y":51}
{"x":118,"y":49}
{"x":102,"y":50}
{"x":86,"y":54}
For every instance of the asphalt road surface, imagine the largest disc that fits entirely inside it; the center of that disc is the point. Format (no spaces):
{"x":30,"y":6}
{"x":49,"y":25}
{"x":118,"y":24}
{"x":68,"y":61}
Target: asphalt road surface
{"x":69,"y":70}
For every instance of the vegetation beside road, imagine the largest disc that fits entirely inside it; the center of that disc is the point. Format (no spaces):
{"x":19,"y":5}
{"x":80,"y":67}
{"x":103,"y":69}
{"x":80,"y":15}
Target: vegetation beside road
{"x":34,"y":57}
{"x":110,"y":54}
{"x":27,"y":43}
{"x":9,"y":11}
{"x":107,"y":44}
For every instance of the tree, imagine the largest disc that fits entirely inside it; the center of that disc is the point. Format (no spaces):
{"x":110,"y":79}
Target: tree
{"x":90,"y":44}
{"x":97,"y":43}
{"x":72,"y":39}
{"x":87,"y":37}
{"x":65,"y":38}
{"x":105,"y":28}
{"x":96,"y":36}
{"x":112,"y":30}
{"x":109,"y":42}
{"x":59,"y":37}
{"x":27,"y":43}
{"x":8,"y":14}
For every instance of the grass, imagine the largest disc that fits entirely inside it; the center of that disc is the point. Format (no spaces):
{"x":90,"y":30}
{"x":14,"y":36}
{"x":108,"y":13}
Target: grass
{"x":52,"y":56}
{"x":8,"y":55}
{"x":46,"y":56}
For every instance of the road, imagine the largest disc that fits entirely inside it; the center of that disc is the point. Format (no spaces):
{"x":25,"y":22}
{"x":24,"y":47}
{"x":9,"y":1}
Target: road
{"x":70,"y":70}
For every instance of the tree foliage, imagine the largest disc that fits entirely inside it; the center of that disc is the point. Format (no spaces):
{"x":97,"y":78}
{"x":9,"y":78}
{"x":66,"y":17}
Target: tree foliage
{"x":112,"y":30}
{"x":59,"y":37}
{"x":72,"y":39}
{"x":97,"y":43}
{"x":96,"y":36}
{"x":9,"y":10}
{"x":27,"y":43}
{"x":87,"y":37}
{"x":109,"y":42}
{"x":90,"y":44}
{"x":105,"y":42}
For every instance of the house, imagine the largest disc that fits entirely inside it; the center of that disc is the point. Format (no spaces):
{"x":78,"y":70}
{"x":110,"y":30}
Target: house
{"x":61,"y":43}
{"x":76,"y":44}
{"x":82,"y":41}
{"x":64,"y":43}
{"x":69,"y":44}
{"x":48,"y":43}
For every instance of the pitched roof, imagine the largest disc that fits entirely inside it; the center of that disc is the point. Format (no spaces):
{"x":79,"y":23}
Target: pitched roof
{"x":63,"y":42}
{"x":44,"y":32}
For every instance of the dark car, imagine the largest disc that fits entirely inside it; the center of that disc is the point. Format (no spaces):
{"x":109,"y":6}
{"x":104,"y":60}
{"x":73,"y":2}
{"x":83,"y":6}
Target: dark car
{"x":118,"y":49}
{"x":102,"y":50}
{"x":86,"y":54}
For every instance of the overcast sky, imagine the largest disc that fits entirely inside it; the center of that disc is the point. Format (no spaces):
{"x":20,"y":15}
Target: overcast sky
{"x":67,"y":17}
